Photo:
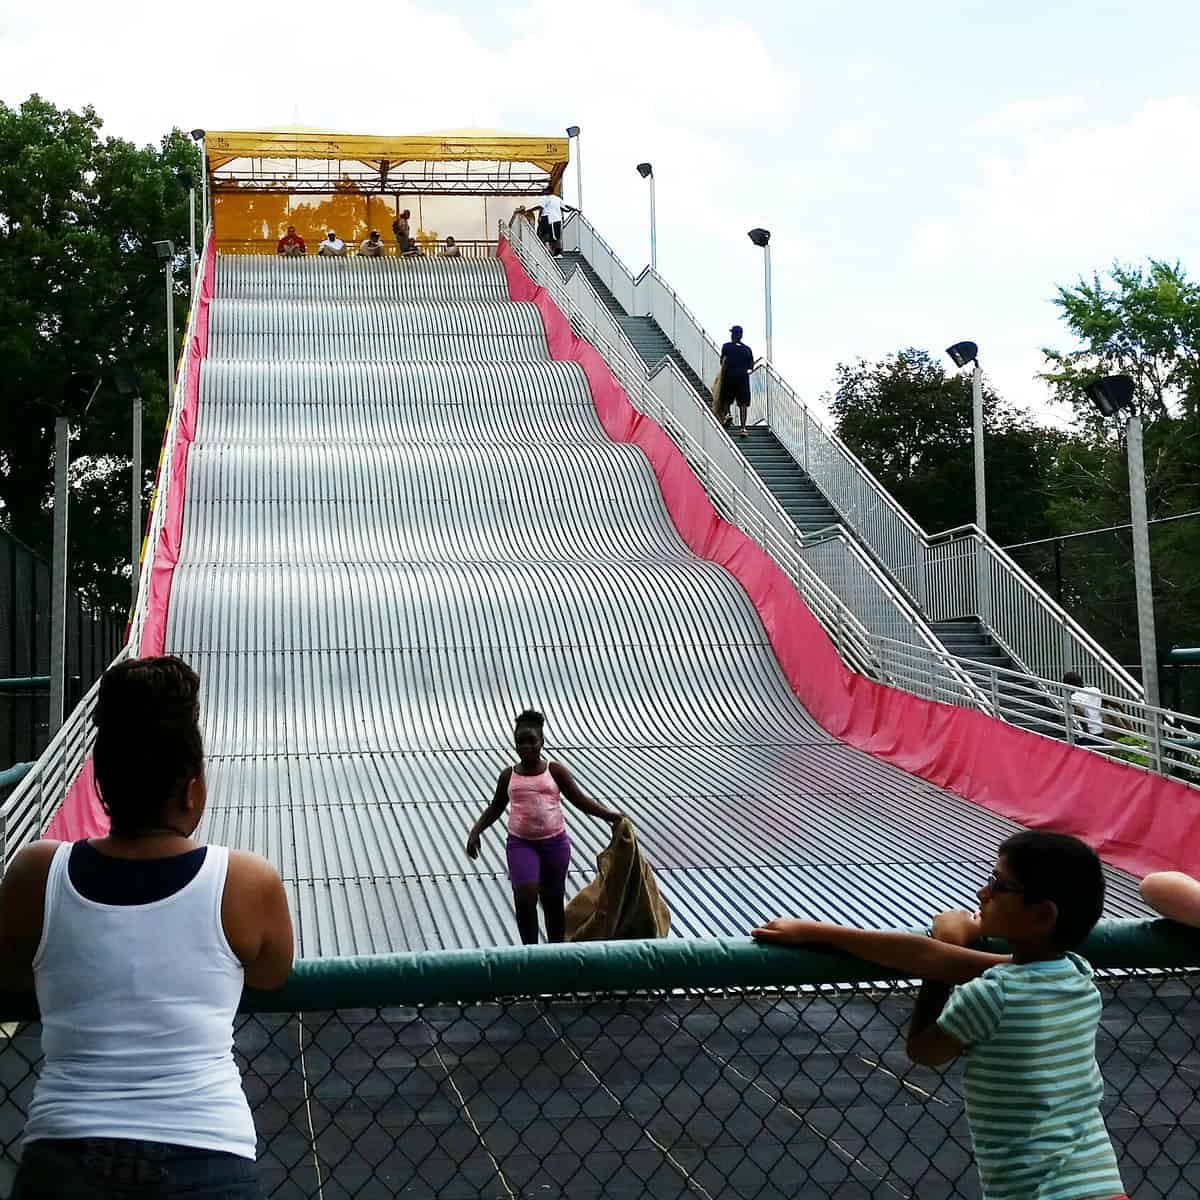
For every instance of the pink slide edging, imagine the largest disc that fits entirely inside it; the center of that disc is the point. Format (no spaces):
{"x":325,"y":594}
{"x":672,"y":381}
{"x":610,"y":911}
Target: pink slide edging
{"x":1135,"y":820}
{"x":81,"y":814}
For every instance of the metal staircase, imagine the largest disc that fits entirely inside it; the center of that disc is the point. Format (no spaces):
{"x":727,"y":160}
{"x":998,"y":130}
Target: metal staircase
{"x":644,"y":334}
{"x":787,"y":481}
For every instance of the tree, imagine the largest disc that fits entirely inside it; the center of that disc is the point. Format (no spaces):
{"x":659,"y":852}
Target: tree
{"x":80,"y":289}
{"x":1144,"y":322}
{"x":911,"y":424}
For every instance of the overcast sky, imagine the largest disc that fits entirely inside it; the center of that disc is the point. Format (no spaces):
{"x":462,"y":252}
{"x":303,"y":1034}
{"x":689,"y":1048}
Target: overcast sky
{"x":930,"y":170}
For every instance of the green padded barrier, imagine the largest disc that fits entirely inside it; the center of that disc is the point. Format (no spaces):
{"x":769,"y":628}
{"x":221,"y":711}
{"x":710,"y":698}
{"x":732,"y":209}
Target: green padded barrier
{"x":470,"y":976}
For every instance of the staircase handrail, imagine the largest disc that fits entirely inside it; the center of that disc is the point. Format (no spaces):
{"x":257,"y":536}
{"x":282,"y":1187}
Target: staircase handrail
{"x":26,"y":812}
{"x":899,"y":542}
{"x":881,"y":587}
{"x":832,"y":611}
{"x":1156,"y":740}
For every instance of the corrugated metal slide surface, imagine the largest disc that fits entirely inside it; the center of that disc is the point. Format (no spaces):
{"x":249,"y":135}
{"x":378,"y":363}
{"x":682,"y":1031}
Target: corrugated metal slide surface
{"x":404,"y":524}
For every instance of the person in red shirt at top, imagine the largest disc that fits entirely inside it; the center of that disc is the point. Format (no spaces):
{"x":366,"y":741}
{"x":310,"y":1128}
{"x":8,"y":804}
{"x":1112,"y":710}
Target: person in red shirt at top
{"x":291,"y":245}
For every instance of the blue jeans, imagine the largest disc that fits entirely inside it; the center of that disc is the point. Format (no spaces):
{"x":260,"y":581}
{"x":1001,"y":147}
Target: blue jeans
{"x":121,"y":1169}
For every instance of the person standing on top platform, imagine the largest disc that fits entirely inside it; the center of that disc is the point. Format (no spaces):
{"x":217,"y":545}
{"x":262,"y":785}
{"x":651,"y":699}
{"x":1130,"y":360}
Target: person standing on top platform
{"x":403,"y":232}
{"x":291,"y":245}
{"x":538,"y":849}
{"x":737,"y":361}
{"x":550,"y":223}
{"x":138,"y":945}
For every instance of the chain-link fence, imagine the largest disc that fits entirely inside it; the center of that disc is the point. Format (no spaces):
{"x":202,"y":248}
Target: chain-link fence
{"x":92,"y":639}
{"x":767,"y":1092}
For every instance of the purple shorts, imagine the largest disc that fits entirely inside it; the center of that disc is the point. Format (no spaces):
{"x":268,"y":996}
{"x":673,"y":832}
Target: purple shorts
{"x":543,"y":862}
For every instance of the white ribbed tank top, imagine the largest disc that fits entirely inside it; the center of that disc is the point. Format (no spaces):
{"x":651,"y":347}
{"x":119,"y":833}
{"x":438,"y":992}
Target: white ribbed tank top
{"x":137,"y":1006}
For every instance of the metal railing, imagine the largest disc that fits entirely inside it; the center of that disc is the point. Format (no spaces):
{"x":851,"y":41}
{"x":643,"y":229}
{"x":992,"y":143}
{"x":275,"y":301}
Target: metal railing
{"x":957,"y":573}
{"x":1130,"y":731}
{"x":431,"y":247}
{"x":24,"y":815}
{"x":701,"y":1069}
{"x":848,"y":634}
{"x":664,"y":393}
{"x":93,"y":636}
{"x":962,"y":564}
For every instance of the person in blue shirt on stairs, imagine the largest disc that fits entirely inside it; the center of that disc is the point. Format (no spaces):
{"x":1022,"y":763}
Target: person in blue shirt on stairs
{"x":737,"y":361}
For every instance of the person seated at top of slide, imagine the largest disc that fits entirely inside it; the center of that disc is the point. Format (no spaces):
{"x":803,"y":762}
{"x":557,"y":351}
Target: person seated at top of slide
{"x":291,"y":245}
{"x":451,"y":249}
{"x":138,"y":945}
{"x":332,"y":247}
{"x":371,"y":246}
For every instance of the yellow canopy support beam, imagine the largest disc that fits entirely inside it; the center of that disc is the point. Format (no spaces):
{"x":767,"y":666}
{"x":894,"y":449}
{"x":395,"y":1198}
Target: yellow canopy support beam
{"x":547,"y":154}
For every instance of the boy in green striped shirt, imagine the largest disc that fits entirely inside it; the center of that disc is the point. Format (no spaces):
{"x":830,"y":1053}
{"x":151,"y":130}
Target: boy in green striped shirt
{"x":1026,"y":1022}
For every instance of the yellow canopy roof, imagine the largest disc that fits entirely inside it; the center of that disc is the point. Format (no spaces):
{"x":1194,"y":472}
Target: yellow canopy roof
{"x":456,"y":145}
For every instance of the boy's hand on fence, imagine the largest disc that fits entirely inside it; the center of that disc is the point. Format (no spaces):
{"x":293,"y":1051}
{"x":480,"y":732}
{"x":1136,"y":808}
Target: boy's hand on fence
{"x":957,"y":928}
{"x":793,"y":931}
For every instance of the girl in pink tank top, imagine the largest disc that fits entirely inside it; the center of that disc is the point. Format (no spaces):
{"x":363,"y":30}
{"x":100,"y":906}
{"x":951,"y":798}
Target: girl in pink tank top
{"x":538,"y":849}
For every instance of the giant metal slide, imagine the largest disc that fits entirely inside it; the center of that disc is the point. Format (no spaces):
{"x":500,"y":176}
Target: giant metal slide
{"x":403,"y":524}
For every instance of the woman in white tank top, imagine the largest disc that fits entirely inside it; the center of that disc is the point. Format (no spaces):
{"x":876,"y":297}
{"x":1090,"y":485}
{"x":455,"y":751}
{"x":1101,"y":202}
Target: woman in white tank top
{"x":139,"y":1092}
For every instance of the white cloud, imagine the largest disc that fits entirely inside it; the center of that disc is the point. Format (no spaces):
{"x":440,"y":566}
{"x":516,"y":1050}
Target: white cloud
{"x":1023,"y":116}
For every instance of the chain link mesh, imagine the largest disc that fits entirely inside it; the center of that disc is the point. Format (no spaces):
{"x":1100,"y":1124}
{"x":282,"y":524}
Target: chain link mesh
{"x":691,"y":1093}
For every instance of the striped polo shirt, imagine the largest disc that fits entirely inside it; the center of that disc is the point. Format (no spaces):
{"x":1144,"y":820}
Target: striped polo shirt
{"x":1033,"y":1088}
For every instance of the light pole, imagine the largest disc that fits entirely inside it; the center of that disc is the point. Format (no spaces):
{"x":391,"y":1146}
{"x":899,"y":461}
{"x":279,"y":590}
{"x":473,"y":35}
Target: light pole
{"x":165,"y":253}
{"x":762,"y":237}
{"x":78,"y":394}
{"x":198,"y":138}
{"x":191,"y":237}
{"x":126,"y":383}
{"x":962,"y":353}
{"x":646,"y":171}
{"x":1110,"y":395}
{"x":573,"y":132}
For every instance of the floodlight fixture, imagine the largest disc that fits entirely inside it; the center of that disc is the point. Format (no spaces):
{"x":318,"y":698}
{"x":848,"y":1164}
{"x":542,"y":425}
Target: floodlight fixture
{"x":962,"y":353}
{"x":760,"y":237}
{"x":164,"y":251}
{"x":645,"y":170}
{"x":79,"y":391}
{"x":125,"y":380}
{"x":1111,"y":394}
{"x":572,"y":131}
{"x":197,"y":135}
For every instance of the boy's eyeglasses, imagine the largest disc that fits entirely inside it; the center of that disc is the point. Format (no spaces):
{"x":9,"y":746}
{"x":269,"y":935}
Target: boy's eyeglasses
{"x":998,"y":886}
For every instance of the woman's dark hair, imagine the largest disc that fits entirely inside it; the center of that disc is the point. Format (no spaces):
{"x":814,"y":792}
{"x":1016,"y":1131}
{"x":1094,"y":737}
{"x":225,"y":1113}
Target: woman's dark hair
{"x":1057,"y":867}
{"x":148,"y":745}
{"x":530,"y":719}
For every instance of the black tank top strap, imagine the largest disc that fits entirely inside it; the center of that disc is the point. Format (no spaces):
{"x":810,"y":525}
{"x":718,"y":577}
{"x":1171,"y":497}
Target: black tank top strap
{"x":128,"y":881}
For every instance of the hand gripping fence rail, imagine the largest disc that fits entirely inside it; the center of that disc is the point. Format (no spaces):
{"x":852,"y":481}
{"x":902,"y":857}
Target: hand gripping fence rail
{"x":691,"y":1069}
{"x":866,"y":600}
{"x":957,"y":573}
{"x":25,"y":814}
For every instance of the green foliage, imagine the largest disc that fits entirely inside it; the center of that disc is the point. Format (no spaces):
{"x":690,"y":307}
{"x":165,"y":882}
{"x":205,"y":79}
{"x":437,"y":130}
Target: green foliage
{"x":911,"y":423}
{"x":80,"y":289}
{"x":1143,"y":322}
